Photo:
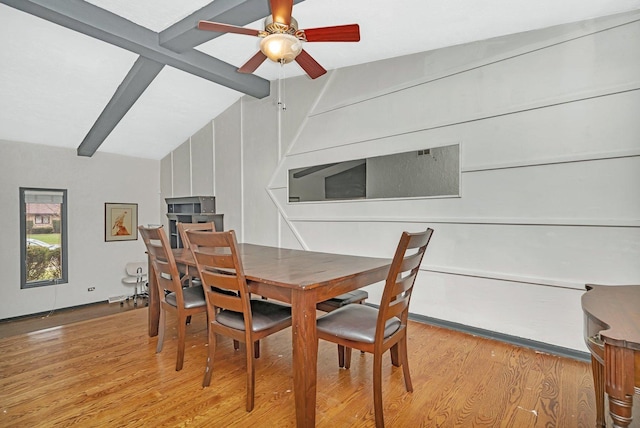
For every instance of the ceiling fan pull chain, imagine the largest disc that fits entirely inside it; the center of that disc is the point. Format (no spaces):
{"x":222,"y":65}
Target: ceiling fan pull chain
{"x":284,"y":88}
{"x":281,"y":104}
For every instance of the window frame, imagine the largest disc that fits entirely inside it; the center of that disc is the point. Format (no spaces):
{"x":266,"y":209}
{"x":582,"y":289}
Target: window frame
{"x":24,"y":284}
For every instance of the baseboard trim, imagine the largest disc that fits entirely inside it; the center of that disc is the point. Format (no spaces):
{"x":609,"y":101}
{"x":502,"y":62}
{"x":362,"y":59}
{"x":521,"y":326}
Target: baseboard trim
{"x":513,"y":340}
{"x":506,"y":338}
{"x":52,"y":311}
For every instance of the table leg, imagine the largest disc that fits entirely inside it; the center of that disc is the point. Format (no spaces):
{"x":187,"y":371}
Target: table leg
{"x":154,"y":302}
{"x":619,"y":380}
{"x":598,"y":384}
{"x":620,"y":410}
{"x":305,"y":356}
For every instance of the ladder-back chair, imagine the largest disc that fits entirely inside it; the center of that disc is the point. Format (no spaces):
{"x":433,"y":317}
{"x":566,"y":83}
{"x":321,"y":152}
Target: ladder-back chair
{"x":231,"y":310}
{"x":184,"y":302}
{"x":376,"y":330}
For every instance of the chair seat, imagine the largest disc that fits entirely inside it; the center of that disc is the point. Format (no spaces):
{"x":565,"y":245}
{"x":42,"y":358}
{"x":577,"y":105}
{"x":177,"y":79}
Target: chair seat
{"x":355,"y":322}
{"x":355,"y":296}
{"x":265,"y":314}
{"x":193,"y":297}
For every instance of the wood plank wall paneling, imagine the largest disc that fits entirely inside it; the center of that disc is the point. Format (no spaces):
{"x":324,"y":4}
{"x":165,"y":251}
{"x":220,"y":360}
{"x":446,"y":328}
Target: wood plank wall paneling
{"x":228,"y":166}
{"x":182,"y":170}
{"x":201,"y":162}
{"x":105,"y":372}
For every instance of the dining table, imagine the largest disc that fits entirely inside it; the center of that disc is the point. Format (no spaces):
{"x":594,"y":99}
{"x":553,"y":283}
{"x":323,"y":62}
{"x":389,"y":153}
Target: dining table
{"x":302,"y":279}
{"x":612,"y":334}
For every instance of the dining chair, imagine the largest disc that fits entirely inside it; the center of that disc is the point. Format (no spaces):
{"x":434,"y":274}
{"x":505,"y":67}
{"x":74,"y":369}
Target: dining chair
{"x":171,"y":294}
{"x":231,"y":310}
{"x":376,"y":330}
{"x":190,"y":272}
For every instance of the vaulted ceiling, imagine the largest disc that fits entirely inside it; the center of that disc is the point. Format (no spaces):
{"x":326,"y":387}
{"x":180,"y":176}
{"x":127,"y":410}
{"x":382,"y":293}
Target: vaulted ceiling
{"x":137,"y":78}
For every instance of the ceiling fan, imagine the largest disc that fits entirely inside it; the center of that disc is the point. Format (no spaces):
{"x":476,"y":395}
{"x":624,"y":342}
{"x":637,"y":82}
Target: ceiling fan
{"x":282,"y":40}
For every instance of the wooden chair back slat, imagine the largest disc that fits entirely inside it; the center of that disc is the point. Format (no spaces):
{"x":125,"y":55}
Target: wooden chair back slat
{"x":405,"y":284}
{"x":410,"y":262}
{"x":419,"y":240}
{"x":183,"y":227}
{"x":224,"y":280}
{"x":220,"y":268}
{"x":397,"y":308}
{"x":401,"y":296}
{"x":220,"y":242}
{"x":220,"y":299}
{"x":222,"y":261}
{"x":401,"y":279}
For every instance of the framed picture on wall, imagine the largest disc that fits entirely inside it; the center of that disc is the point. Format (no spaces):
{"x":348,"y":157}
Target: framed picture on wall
{"x":120,"y":222}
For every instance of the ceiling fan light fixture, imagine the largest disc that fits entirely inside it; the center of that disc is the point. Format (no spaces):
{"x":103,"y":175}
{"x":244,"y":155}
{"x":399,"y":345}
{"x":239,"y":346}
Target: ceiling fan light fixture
{"x":282,"y":40}
{"x":280,"y":47}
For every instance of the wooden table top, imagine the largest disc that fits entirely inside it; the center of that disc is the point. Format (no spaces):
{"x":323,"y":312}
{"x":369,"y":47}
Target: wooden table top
{"x":617,"y":307}
{"x":297,"y":268}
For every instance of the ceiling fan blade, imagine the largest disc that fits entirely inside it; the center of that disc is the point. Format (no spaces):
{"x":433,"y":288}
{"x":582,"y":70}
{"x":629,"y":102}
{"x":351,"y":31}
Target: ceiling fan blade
{"x":338,"y":33}
{"x":252,"y":65}
{"x":310,"y":65}
{"x":281,"y":11}
{"x":226,"y":28}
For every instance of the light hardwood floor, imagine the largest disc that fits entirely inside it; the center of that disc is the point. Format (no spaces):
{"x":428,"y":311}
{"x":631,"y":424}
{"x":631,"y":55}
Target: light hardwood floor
{"x":105,"y":373}
{"x":30,"y":323}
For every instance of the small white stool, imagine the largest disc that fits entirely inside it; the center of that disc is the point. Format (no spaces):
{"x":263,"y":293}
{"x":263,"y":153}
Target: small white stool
{"x":137,"y":273}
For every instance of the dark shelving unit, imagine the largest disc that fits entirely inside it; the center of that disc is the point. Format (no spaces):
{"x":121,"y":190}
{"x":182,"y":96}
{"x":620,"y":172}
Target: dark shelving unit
{"x":191,"y":209}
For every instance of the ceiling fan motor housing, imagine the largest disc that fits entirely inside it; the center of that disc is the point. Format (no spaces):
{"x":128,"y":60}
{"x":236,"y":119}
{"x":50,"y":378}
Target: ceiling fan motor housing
{"x":279,"y":28}
{"x":282,"y":39}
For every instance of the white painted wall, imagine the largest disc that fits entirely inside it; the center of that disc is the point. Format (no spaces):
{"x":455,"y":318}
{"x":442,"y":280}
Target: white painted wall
{"x":550,"y":170}
{"x":90,"y":182}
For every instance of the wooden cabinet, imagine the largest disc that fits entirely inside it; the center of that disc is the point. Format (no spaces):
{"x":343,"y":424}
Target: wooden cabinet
{"x":191,"y":209}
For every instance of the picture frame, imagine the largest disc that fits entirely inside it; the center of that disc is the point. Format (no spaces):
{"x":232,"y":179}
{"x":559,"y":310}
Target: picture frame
{"x":120,"y":222}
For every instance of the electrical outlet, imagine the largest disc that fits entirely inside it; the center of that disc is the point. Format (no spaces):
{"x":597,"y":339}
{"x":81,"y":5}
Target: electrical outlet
{"x":91,"y":289}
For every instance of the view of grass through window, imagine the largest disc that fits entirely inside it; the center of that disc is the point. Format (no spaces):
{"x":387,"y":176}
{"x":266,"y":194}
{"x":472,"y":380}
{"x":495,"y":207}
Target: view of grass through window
{"x":43,"y":220}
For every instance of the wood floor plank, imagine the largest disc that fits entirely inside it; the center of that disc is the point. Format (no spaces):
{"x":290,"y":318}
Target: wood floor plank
{"x":105,"y":372}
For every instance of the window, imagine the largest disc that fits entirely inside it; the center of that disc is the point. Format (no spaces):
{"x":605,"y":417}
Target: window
{"x":43,"y":237}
